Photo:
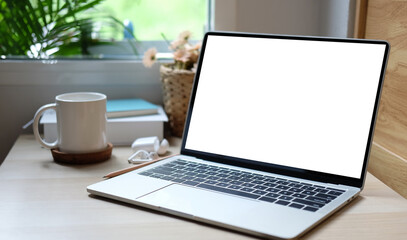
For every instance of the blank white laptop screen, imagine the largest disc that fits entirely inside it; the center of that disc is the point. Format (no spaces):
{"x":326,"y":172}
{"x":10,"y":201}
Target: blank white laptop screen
{"x":303,"y":104}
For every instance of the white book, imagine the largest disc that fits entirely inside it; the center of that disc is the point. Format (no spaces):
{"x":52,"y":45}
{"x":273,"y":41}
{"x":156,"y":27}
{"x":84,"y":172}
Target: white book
{"x":120,"y":131}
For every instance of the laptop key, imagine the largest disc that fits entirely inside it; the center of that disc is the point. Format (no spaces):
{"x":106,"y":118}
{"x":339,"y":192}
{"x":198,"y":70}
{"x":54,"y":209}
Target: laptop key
{"x":335,"y":193}
{"x":189,"y":169}
{"x":236,"y":173}
{"x":234,"y":177}
{"x":260,"y":187}
{"x":273,"y":195}
{"x":181,"y":162}
{"x":307,"y":188}
{"x":273,"y":190}
{"x":168,"y":178}
{"x":201,"y":175}
{"x":268,"y":199}
{"x":157,"y":175}
{"x":236,"y":182}
{"x":325,"y":196}
{"x":297,"y":190}
{"x":222,"y":184}
{"x":311,"y":209}
{"x":236,"y":187}
{"x":320,"y":190}
{"x":260,"y":192}
{"x":282,"y":187}
{"x":213,"y":169}
{"x":178,"y":180}
{"x":213,"y":178}
{"x":189,"y":173}
{"x":283,"y":182}
{"x":307,"y":192}
{"x":229,"y":191}
{"x":225,"y":180}
{"x":187,"y":177}
{"x":296,"y":205}
{"x":259,"y":178}
{"x":199,"y":180}
{"x":203,"y":167}
{"x":257,"y":182}
{"x":162,"y":170}
{"x":317,"y":199}
{"x":309,"y":203}
{"x":299,"y":195}
{"x":211,"y":182}
{"x":248,"y":184}
{"x":222,"y":175}
{"x":170,"y":164}
{"x":145,"y":173}
{"x":269,"y":179}
{"x":285,"y":198}
{"x":287,"y":193}
{"x":246,"y":189}
{"x":191,"y":183}
{"x":269,"y":184}
{"x":246,"y":176}
{"x":282,"y":202}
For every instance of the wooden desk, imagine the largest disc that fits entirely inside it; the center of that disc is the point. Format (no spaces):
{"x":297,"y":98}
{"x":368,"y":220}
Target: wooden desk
{"x":40,"y":199}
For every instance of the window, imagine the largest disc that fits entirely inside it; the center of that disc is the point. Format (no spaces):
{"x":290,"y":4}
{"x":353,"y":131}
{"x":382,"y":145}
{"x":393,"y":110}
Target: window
{"x":101,"y":30}
{"x":155,"y":22}
{"x":151,"y":18}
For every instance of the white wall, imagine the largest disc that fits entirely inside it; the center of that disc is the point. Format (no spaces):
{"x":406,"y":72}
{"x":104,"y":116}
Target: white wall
{"x":294,"y":17}
{"x":27,"y":85}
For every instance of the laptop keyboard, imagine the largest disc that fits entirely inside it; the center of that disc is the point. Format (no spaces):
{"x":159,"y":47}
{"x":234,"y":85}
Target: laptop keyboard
{"x":281,"y":191}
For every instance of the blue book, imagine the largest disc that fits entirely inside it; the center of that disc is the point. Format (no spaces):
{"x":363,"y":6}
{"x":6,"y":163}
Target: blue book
{"x":129,"y":107}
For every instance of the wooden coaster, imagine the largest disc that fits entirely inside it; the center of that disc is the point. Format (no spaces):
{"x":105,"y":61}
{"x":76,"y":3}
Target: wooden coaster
{"x":82,"y":158}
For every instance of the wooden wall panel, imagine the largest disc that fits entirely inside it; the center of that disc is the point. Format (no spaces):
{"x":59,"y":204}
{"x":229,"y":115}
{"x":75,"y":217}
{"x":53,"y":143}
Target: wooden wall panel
{"x":388,"y":20}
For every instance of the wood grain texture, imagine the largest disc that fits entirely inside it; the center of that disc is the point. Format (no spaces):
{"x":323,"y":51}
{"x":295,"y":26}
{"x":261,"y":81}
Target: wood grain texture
{"x":41,"y":199}
{"x":388,"y":20}
{"x":360,"y":18}
{"x":383,"y":162}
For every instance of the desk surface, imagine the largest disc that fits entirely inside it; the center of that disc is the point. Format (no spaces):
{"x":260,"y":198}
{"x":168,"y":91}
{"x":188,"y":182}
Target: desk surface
{"x":40,"y":199}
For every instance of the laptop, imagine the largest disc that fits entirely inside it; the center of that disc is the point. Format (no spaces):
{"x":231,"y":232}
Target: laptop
{"x":277,"y":135}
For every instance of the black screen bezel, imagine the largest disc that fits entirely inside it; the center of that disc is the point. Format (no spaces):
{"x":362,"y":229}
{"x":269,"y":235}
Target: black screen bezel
{"x":273,"y":168}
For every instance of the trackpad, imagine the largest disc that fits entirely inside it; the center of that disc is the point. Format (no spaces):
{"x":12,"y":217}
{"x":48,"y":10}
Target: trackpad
{"x":198,"y":202}
{"x":228,"y":210}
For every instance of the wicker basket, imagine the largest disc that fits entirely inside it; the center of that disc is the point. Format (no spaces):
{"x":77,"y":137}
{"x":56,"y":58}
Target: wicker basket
{"x":177,"y":86}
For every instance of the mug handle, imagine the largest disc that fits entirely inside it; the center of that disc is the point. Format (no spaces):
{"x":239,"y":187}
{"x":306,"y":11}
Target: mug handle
{"x":37,"y":135}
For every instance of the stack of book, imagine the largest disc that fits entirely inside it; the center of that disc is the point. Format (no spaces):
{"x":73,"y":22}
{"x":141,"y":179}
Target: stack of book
{"x":127,"y":120}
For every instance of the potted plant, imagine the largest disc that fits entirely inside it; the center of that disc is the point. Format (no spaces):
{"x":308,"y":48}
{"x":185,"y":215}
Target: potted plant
{"x":177,"y":79}
{"x":49,"y":28}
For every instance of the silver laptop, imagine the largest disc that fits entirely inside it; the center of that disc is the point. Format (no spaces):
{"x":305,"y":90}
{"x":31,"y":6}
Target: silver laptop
{"x":277,"y":136}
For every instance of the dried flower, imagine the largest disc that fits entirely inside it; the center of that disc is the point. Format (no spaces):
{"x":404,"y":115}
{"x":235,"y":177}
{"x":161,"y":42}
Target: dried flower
{"x":195,"y":47}
{"x":176,"y":44}
{"x":185,"y":55}
{"x":184,"y":36}
{"x":150,"y":57}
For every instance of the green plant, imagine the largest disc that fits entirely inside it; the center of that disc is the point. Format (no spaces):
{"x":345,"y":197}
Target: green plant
{"x":44,"y":28}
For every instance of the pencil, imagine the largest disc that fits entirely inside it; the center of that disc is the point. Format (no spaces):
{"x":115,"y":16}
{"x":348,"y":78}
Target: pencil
{"x":120,"y":172}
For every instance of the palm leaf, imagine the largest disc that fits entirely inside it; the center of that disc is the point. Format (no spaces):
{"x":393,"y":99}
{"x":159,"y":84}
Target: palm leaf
{"x":50,"y":24}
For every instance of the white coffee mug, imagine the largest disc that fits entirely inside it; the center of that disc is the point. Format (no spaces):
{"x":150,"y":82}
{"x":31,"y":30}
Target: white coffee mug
{"x":81,"y":122}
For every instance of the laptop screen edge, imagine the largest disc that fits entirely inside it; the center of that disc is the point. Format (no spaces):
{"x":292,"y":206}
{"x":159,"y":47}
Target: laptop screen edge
{"x":278,"y":169}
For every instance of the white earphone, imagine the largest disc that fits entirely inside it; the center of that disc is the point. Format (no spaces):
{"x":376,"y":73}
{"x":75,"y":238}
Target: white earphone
{"x":147,"y":149}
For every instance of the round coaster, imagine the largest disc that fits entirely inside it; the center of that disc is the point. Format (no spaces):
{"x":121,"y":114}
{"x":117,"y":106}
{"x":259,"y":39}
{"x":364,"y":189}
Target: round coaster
{"x":82,"y":158}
